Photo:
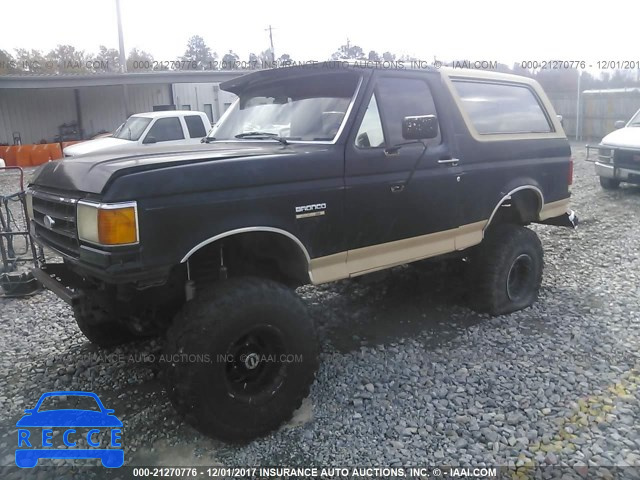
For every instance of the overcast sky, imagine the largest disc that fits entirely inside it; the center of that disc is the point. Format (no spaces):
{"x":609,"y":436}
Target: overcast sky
{"x":506,"y":31}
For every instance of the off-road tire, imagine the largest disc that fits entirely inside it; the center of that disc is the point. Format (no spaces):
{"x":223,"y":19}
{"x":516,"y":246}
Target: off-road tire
{"x":98,"y":323}
{"x":205,"y":368}
{"x":506,"y":270}
{"x":609,"y":183}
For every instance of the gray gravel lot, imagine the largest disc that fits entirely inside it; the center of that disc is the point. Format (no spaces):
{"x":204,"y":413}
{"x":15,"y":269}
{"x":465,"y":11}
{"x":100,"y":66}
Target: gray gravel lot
{"x":409,"y":375}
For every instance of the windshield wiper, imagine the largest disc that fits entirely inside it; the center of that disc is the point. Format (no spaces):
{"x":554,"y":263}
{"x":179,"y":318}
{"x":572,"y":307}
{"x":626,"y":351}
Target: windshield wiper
{"x":273,"y":136}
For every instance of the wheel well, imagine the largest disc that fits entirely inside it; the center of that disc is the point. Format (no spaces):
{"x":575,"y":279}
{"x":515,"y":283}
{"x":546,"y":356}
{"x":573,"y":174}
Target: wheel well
{"x":520,"y":207}
{"x":258,"y":253}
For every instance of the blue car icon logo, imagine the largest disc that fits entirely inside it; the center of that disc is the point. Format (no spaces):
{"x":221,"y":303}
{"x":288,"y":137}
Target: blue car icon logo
{"x":93,"y":426}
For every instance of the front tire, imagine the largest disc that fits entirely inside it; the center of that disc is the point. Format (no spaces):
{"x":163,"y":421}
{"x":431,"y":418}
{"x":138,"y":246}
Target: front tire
{"x":609,"y":183}
{"x":507,"y":270}
{"x":241,"y":358}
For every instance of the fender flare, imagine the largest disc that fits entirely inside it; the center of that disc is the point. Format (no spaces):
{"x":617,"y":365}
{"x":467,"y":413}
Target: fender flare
{"x":508,"y":196}
{"x":237,"y":231}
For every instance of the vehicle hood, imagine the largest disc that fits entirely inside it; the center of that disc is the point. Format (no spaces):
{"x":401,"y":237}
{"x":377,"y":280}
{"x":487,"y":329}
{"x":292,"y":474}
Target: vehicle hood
{"x":96,"y":145}
{"x":92,"y":173}
{"x":628,"y":137}
{"x":69,"y":418}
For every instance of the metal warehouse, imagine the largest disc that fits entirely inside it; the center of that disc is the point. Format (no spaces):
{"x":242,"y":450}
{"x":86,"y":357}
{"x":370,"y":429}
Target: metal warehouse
{"x":59,"y":108}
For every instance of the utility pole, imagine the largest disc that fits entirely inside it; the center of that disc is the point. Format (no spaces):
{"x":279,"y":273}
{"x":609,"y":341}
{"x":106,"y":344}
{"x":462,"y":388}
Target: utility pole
{"x":273,"y":52}
{"x":578,"y":116}
{"x":123,"y":58}
{"x":123,"y":62}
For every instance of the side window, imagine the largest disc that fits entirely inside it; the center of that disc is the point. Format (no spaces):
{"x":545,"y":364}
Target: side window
{"x":370,"y":134}
{"x":195,"y":126}
{"x":403,"y":97}
{"x":502,"y":108}
{"x":166,"y":129}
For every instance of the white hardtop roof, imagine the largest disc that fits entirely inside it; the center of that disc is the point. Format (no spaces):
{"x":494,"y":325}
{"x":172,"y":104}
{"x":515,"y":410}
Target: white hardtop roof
{"x":167,"y":113}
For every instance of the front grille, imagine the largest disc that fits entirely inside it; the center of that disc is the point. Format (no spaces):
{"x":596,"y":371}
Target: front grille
{"x":628,"y":159}
{"x":54,"y":221}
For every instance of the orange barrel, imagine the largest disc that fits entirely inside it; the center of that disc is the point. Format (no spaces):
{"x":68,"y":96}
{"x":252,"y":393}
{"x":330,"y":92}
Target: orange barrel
{"x":40,"y":154}
{"x":3,"y":154}
{"x":55,"y":151}
{"x":23,"y":155}
{"x":10,"y":156}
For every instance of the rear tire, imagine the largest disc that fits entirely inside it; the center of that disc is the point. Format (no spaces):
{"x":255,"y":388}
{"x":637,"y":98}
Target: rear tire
{"x":506,"y":270}
{"x":225,"y":372}
{"x":609,"y":183}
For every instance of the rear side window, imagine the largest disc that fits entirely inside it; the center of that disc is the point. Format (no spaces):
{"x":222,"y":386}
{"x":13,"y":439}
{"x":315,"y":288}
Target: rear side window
{"x":496,"y":108}
{"x":166,"y":129}
{"x":195,"y":126}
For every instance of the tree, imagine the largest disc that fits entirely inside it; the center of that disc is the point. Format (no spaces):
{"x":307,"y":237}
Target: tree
{"x":33,"y":61}
{"x":348,"y":52}
{"x":388,"y":57}
{"x":254,"y":62}
{"x":285,"y":59}
{"x":373,"y":56}
{"x":265,"y":59}
{"x":230,"y":61}
{"x":66,"y":59}
{"x":108,"y":58}
{"x":199,"y":53}
{"x":139,"y":61}
{"x":7,"y":63}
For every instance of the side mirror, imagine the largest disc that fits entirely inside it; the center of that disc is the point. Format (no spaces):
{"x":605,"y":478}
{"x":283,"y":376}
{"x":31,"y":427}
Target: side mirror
{"x":150,"y":139}
{"x":620,"y":124}
{"x":560,"y":119}
{"x":421,"y":127}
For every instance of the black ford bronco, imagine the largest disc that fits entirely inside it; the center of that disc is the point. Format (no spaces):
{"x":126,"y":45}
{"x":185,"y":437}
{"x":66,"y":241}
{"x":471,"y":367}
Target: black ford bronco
{"x":316,"y":173}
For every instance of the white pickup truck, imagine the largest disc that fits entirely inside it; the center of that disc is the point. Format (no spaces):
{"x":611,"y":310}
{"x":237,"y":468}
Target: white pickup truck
{"x":619,"y":155}
{"x":171,"y":127}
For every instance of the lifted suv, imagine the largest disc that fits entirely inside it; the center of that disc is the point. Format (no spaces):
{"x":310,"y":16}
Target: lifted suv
{"x":315,"y":174}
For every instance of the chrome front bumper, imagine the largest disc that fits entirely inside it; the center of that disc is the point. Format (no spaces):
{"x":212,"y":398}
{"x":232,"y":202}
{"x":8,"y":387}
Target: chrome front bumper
{"x":622,"y":174}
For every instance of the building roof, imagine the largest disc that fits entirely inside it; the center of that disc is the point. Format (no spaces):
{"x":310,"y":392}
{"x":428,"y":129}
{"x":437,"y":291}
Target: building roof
{"x":167,"y":113}
{"x":104,"y":79}
{"x":611,"y":91}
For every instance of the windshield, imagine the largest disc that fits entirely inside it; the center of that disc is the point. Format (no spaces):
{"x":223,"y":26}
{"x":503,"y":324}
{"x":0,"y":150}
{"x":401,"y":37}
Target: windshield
{"x":635,"y":121}
{"x":304,"y":109}
{"x":132,"y":128}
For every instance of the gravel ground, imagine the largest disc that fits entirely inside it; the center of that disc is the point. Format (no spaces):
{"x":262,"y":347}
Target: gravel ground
{"x":409,"y":375}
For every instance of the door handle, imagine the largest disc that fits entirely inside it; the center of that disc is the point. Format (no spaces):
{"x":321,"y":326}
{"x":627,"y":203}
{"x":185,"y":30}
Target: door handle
{"x":397,"y":187}
{"x":449,"y":161}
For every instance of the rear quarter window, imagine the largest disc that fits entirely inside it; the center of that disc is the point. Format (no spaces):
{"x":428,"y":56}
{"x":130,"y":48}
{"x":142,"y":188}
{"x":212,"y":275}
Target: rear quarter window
{"x":195,"y":125}
{"x":498,"y":108}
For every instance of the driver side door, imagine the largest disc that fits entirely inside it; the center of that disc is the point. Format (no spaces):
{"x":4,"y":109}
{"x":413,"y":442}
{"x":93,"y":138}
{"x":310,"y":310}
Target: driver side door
{"x":401,"y":200}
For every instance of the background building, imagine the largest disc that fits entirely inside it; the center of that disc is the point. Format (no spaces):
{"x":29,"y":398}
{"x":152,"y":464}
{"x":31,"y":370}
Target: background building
{"x":54,"y":108}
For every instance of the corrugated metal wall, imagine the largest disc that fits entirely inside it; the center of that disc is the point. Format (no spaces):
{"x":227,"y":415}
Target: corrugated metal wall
{"x":35,"y":113}
{"x":602,"y":109}
{"x":198,"y":95}
{"x":599,"y":111}
{"x":103,"y":107}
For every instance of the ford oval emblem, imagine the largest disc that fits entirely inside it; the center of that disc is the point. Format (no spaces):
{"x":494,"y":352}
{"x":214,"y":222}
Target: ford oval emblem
{"x":49,"y":222}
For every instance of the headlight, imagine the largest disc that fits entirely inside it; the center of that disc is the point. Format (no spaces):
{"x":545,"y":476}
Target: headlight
{"x":29,"y":201}
{"x":605,"y":155}
{"x":108,"y":223}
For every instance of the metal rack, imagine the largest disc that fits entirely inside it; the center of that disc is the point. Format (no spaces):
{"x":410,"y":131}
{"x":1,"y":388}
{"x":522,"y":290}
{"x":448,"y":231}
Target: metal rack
{"x":13,"y":282}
